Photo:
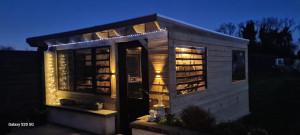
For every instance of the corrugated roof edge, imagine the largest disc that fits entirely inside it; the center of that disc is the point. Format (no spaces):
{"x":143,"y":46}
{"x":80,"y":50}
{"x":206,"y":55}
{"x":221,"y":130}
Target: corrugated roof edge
{"x":185,"y":23}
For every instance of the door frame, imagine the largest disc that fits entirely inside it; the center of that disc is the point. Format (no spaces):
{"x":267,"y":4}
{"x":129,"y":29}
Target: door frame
{"x":123,"y":80}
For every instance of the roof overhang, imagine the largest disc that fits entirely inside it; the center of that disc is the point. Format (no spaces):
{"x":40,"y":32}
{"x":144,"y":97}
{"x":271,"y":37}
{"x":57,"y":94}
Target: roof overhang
{"x":126,"y":28}
{"x":40,"y":40}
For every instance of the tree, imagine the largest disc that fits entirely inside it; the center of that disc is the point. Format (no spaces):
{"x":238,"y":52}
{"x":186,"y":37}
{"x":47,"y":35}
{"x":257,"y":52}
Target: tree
{"x":298,"y":54}
{"x":298,"y":27}
{"x":275,"y":36}
{"x":249,"y":32}
{"x":7,"y":48}
{"x":227,"y":28}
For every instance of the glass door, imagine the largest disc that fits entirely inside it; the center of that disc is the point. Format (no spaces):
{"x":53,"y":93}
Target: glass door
{"x":133,"y":83}
{"x":134,"y":73}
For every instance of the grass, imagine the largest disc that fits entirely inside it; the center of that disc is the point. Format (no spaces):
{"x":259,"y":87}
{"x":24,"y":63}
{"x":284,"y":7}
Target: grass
{"x":274,"y":103}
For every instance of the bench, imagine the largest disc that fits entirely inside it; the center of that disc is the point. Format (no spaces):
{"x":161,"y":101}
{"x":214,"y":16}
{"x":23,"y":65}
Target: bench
{"x":98,"y":122}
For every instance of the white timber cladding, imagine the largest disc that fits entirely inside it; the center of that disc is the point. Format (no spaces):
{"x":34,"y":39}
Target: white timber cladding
{"x":158,"y":61}
{"x":227,"y":100}
{"x":197,"y":27}
{"x":155,"y":42}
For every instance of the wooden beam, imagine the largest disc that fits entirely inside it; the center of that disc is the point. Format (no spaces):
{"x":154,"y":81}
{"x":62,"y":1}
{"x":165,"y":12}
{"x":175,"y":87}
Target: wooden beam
{"x":88,"y":36}
{"x":157,"y":25}
{"x":112,"y":33}
{"x":152,"y":26}
{"x":144,"y":43}
{"x":102,"y":34}
{"x":121,"y":31}
{"x":74,"y":39}
{"x":139,"y":28}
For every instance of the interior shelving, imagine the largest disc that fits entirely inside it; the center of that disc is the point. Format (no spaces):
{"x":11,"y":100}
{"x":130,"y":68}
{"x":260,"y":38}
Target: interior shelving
{"x":190,"y":69}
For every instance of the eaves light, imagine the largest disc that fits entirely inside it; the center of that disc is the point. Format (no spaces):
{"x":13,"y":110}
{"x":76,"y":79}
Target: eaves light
{"x":112,"y":38}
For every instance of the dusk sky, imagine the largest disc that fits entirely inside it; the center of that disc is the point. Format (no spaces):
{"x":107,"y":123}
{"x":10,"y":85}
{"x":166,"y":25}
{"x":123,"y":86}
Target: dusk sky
{"x":20,"y":19}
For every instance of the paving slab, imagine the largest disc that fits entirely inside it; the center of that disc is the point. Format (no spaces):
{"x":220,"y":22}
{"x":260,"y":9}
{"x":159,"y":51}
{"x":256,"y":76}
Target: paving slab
{"x":47,"y":129}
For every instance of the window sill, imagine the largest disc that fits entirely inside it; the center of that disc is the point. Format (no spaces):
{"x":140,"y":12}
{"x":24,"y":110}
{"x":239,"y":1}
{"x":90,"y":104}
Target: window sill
{"x":192,"y":93}
{"x":238,"y":81}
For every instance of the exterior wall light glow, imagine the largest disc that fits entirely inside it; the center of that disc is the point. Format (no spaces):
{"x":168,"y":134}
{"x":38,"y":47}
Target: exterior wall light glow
{"x":113,"y":74}
{"x":158,"y":74}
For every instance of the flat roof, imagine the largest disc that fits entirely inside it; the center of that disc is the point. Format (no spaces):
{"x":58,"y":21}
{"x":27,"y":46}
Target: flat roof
{"x":201,"y":28}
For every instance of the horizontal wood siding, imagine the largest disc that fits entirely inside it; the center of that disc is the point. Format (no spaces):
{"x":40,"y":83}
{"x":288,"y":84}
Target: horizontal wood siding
{"x":158,"y":60}
{"x":227,"y":100}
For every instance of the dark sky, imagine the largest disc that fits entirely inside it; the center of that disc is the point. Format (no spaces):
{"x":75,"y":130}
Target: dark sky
{"x":20,"y":19}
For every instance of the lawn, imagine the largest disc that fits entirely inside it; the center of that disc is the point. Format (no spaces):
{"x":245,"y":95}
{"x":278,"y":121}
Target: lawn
{"x":274,"y":103}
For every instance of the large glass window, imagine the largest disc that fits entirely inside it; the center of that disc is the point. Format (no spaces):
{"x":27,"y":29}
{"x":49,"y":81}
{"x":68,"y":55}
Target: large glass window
{"x":190,"y":69}
{"x":238,"y":65}
{"x":84,"y":70}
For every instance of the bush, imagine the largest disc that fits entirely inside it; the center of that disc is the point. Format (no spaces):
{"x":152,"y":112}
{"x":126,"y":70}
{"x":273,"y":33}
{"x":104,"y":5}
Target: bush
{"x":198,"y":119}
{"x":235,"y":128}
{"x":231,"y":128}
{"x":258,"y":131}
{"x":170,"y":120}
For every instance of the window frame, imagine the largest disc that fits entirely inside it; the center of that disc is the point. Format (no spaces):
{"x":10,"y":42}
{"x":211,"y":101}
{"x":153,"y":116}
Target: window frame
{"x":94,"y":70}
{"x":204,"y":69}
{"x":244,"y":77}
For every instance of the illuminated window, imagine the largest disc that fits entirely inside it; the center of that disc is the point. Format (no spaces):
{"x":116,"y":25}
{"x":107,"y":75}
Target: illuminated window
{"x":84,"y":70}
{"x":102,"y":57}
{"x":190,"y":69}
{"x":65,"y":70}
{"x":83,"y":66}
{"x":238,"y":65}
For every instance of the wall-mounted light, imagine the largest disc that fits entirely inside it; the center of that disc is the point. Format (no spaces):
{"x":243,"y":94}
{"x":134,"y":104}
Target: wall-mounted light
{"x":113,"y":74}
{"x":158,"y":74}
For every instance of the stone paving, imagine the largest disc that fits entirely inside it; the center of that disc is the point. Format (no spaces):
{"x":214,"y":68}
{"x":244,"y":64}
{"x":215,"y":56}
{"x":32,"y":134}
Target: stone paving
{"x":47,"y":129}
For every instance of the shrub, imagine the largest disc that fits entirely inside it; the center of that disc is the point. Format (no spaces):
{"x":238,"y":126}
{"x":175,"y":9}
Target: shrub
{"x":198,"y":119}
{"x":231,"y":128}
{"x":170,"y":120}
{"x":258,"y":131}
{"x":235,"y":128}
